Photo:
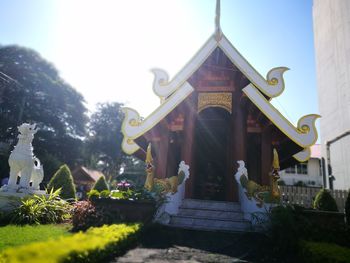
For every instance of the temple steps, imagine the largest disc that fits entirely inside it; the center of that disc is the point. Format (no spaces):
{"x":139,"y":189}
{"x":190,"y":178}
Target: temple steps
{"x":210,"y":215}
{"x":210,"y":205}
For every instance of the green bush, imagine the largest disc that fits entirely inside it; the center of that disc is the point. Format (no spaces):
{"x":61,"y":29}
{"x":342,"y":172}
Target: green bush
{"x":324,"y":201}
{"x":95,"y":245}
{"x":347,"y":209}
{"x":283,"y":230}
{"x":101,"y":184}
{"x":324,"y":252}
{"x":44,"y":209}
{"x":63,"y":179}
{"x":135,"y":194}
{"x":105,"y":194}
{"x":5,"y":218}
{"x":93,"y":194}
{"x":287,"y":225}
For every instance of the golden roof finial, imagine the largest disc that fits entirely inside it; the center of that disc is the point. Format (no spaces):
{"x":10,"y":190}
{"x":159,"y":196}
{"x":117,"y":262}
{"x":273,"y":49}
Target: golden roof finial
{"x":275,"y":162}
{"x":218,"y":32}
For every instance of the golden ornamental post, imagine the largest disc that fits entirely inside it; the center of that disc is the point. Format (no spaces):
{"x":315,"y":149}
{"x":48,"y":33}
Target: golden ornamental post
{"x":149,"y":169}
{"x":275,"y":192}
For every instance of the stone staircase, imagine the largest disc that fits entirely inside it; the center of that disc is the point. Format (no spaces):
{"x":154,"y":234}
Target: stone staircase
{"x":210,"y":215}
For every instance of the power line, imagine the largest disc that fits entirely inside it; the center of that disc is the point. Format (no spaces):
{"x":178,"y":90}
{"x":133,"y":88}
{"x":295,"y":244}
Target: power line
{"x":284,"y":110}
{"x":9,"y":78}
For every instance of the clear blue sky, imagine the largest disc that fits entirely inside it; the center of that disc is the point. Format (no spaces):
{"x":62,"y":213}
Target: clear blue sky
{"x":105,"y":49}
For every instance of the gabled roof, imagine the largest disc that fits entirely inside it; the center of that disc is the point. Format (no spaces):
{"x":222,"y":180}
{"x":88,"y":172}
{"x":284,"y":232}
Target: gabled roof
{"x":173,"y":92}
{"x":90,"y":175}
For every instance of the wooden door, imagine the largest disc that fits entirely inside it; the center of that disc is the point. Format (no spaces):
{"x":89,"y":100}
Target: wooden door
{"x":211,"y":139}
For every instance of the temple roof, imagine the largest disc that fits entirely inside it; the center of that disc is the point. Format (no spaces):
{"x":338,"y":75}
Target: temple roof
{"x":259,"y":91}
{"x":82,"y":174}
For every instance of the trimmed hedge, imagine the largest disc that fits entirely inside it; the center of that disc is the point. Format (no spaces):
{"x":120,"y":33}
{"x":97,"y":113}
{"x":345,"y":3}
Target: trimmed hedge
{"x":94,"y":245}
{"x":63,"y":179}
{"x":287,"y":225}
{"x":101,"y":184}
{"x":324,"y":201}
{"x":316,"y":252}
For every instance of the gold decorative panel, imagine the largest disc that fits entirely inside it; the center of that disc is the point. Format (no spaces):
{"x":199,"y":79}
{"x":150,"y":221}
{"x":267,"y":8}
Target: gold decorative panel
{"x":215,"y":99}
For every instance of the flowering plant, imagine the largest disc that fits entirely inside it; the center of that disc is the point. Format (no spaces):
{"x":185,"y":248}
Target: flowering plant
{"x":123,"y":185}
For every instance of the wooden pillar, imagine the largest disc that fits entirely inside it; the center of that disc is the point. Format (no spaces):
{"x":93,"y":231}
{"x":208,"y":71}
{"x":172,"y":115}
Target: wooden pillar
{"x":162,"y":157}
{"x":266,"y":155}
{"x":174,"y":155}
{"x":189,"y":140}
{"x":238,"y":141}
{"x":231,"y":190}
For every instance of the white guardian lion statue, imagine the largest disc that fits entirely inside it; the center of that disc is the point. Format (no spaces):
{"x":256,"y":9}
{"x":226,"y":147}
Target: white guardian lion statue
{"x":24,"y":164}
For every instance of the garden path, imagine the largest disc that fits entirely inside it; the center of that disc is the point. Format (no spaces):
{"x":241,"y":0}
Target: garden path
{"x":161,"y":244}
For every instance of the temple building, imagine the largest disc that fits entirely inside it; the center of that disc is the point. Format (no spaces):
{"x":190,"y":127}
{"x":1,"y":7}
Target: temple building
{"x":214,"y":112}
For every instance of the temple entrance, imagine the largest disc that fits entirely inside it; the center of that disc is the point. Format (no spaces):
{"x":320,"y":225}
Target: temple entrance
{"x":211,"y":138}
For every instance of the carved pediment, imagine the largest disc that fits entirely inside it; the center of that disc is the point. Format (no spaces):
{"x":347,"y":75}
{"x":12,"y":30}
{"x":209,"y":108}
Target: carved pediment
{"x":215,"y":99}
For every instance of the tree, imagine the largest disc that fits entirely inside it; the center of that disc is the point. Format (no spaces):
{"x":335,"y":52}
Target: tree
{"x":105,"y":137}
{"x":32,"y":91}
{"x":101,"y":184}
{"x":63,"y":179}
{"x":134,"y":171}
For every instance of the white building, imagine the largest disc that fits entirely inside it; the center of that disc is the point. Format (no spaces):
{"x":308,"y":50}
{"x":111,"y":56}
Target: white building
{"x":332,"y":44}
{"x":307,"y":174}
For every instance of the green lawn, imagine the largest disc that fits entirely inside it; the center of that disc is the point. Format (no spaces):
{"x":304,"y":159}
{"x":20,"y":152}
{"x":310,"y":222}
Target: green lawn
{"x":13,"y":235}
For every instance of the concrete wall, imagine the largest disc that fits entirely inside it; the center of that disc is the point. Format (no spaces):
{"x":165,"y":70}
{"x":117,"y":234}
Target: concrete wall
{"x":313,"y":175}
{"x":332,"y":45}
{"x":340,"y":160}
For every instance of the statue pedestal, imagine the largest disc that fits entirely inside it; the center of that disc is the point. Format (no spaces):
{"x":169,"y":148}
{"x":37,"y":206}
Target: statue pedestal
{"x":10,"y":200}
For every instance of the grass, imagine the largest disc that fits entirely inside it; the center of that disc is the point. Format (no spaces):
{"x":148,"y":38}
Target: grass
{"x":12,"y":235}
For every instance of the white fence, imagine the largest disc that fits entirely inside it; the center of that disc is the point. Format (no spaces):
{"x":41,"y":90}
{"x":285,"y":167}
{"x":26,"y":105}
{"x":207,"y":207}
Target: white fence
{"x":305,"y":196}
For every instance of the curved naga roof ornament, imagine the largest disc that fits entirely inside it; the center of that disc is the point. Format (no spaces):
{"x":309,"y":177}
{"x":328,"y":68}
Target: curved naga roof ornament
{"x":162,"y":87}
{"x":303,"y":156}
{"x":305,"y":134}
{"x":133,"y":126}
